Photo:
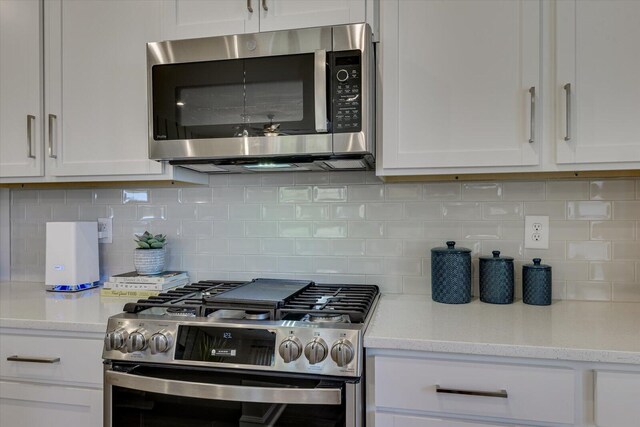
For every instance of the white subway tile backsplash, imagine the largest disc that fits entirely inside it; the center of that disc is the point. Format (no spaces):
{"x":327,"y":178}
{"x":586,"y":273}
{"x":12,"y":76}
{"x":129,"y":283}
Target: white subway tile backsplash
{"x":167,"y":196}
{"x":569,"y":230}
{"x":228,"y":229}
{"x":626,"y":210}
{"x":295,"y":229}
{"x":588,"y":210}
{"x":228,"y":262}
{"x":92,"y":213}
{"x":261,"y":228}
{"x":330,"y":229}
{"x":197,"y":262}
{"x":295,"y":264}
{"x":197,"y":228}
{"x":366,"y":193}
{"x":461,"y":211}
{"x":384,"y":211}
{"x":39,"y":213}
{"x":261,"y":194}
{"x":195,"y":195}
{"x":218,"y":180}
{"x":67,"y":213}
{"x":567,"y":190}
{"x":626,"y":292}
{"x":107,"y":196}
{"x":481,"y":230}
{"x":244,"y":211}
{"x":295,"y":194}
{"x":366,"y":265}
{"x":554,"y":209}
{"x":75,"y":197}
{"x":213,"y":246}
{"x":350,"y":247}
{"x":403,"y":266}
{"x":312,"y":247}
{"x":278,"y":212}
{"x":277,"y":246}
{"x":612,"y":271}
{"x":446,"y":230}
{"x":226,"y":195}
{"x":526,"y":190}
{"x":330,"y":194}
{"x":570,"y":270}
{"x":312,"y":212}
{"x":311,"y":178}
{"x":613,"y":230}
{"x":247,"y":180}
{"x":204,"y":212}
{"x":423,"y":210}
{"x":244,"y":246}
{"x":483,"y":191}
{"x":404,"y":229}
{"x":277,"y":179}
{"x":366,"y":229}
{"x":331,"y":265}
{"x":503,"y":211}
{"x":556,"y":251}
{"x":353,"y":211}
{"x":401,"y":192}
{"x":613,"y":189}
{"x":589,"y":291}
{"x":146,"y":212}
{"x":589,"y":250}
{"x":626,"y":251}
{"x":264,"y":264}
{"x":384,"y":247}
{"x":441,"y":191}
{"x":348,"y":177}
{"x":136,"y":196}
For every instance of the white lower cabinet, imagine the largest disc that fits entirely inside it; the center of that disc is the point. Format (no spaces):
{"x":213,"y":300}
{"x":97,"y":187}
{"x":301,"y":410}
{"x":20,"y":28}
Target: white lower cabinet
{"x":422,"y":389}
{"x":50,"y":378}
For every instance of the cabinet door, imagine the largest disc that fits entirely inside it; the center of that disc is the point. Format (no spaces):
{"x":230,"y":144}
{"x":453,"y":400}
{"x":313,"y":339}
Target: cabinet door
{"x":96,"y":86}
{"x":456,"y":80}
{"x":598,"y":56}
{"x":33,"y":405}
{"x":616,"y":399}
{"x":287,"y":14}
{"x":184,"y":19}
{"x":20,"y":88}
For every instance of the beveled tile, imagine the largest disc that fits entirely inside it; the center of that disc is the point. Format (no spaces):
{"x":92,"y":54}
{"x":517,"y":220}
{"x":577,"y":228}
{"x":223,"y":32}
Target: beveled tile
{"x":78,"y":196}
{"x":350,"y":177}
{"x":481,"y":230}
{"x":277,"y":179}
{"x":261,"y":263}
{"x":331,"y":265}
{"x":244,"y":180}
{"x":38,"y":213}
{"x":384,"y":211}
{"x":589,"y":250}
{"x":569,"y":230}
{"x":244,"y":211}
{"x":366,"y":229}
{"x":136,"y":196}
{"x":613,"y":230}
{"x":503,"y":210}
{"x":403,"y":266}
{"x":482,"y":191}
{"x":554,"y":210}
{"x":261,"y":228}
{"x":295,"y":228}
{"x":384,"y":247}
{"x":209,"y":212}
{"x":175,"y":211}
{"x":228,"y":229}
{"x":461,"y":211}
{"x":151,"y":212}
{"x":311,"y":178}
{"x":228,"y":262}
{"x":213,"y":246}
{"x":347,"y":247}
{"x":295,"y":264}
{"x":626,"y":251}
{"x":613,"y":189}
{"x":512,"y":230}
{"x":194,"y":262}
{"x":312,"y":212}
{"x":244,"y":246}
{"x":612,"y":271}
{"x":423,"y":210}
{"x":556,"y":251}
{"x":330,"y":194}
{"x":524,"y":191}
{"x":589,"y":210}
{"x":353,"y":211}
{"x":295,"y":194}
{"x":419,"y":285}
{"x":441,"y":191}
{"x":278,"y":212}
{"x":626,"y":292}
{"x":312,"y":246}
{"x":218,"y":180}
{"x":366,"y":265}
{"x":52,"y":196}
{"x":387,"y":284}
{"x":570,"y":270}
{"x":446,"y":230}
{"x":401,"y":192}
{"x":277,"y":246}
{"x":514,"y":249}
{"x":226,"y":195}
{"x":366,"y":193}
{"x":589,"y":291}
{"x":107,"y":196}
{"x":197,"y":228}
{"x":91,"y":213}
{"x":261,"y":194}
{"x":626,"y":210}
{"x":330,"y":229}
{"x":567,"y":190}
{"x":404,"y":229}
{"x":195,"y":195}
{"x":66,"y":213}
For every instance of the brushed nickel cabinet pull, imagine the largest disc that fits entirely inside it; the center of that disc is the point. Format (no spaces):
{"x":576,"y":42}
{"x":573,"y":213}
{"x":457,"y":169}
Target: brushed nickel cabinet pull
{"x":532,"y":135}
{"x":249,"y":7}
{"x":52,"y":120}
{"x":567,"y":89}
{"x":264,"y":5}
{"x":500,"y":393}
{"x":30,"y":121}
{"x":30,"y":359}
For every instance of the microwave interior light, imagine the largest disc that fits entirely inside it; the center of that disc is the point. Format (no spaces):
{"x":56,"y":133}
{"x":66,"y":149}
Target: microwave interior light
{"x":180,"y":103}
{"x":269,"y":166}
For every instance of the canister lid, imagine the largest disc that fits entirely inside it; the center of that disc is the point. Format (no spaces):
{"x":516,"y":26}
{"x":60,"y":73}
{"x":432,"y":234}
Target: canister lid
{"x":536,"y":264}
{"x":451,"y":249}
{"x":496,"y":257}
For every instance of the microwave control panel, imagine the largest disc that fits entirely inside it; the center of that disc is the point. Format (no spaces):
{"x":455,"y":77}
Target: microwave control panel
{"x":346,"y":87}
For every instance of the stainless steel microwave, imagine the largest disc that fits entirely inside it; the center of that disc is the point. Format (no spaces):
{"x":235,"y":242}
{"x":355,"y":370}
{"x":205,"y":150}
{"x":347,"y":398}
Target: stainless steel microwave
{"x":283,"y":100}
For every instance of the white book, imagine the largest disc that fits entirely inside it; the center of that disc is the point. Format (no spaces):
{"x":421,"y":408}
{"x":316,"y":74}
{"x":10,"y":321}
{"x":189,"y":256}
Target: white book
{"x":134,"y":277}
{"x":145,"y":286}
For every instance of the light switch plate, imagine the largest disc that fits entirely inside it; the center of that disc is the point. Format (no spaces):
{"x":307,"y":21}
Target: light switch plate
{"x":536,"y":232}
{"x":105,"y":230}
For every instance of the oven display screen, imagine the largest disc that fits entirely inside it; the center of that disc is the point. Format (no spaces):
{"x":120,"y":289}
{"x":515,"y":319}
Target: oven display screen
{"x":226,"y":345}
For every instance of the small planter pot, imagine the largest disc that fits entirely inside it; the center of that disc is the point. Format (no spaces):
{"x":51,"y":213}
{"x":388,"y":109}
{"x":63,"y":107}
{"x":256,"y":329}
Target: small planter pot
{"x":149,"y":261}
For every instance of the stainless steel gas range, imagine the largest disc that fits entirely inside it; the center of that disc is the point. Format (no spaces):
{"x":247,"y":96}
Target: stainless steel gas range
{"x":267,"y":352}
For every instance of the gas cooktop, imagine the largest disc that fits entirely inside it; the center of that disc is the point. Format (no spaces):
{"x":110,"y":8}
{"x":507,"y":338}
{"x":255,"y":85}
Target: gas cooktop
{"x":265,"y":324}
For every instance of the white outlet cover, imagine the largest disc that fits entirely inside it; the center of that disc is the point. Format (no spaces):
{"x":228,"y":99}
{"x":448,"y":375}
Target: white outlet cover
{"x":105,"y":230}
{"x":536,"y":232}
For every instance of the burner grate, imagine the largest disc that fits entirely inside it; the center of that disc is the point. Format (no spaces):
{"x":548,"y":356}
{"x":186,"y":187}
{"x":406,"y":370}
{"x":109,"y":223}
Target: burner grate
{"x":352,"y":300}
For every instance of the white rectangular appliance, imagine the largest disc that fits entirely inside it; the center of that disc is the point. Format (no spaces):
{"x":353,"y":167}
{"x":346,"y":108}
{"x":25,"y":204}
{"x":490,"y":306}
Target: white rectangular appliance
{"x":72,"y":262}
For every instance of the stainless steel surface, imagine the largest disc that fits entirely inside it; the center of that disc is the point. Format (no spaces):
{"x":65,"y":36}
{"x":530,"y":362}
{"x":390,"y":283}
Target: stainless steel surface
{"x":500,"y":393}
{"x":160,"y":342}
{"x":319,"y":396}
{"x":52,"y":121}
{"x":316,"y":351}
{"x":342,"y":352}
{"x":249,"y":7}
{"x":532,"y":123}
{"x":353,"y":404}
{"x":275,"y":148}
{"x":137,"y":340}
{"x":30,"y":122}
{"x":567,"y":89}
{"x":290,"y":349}
{"x":30,"y":359}
{"x":115,"y":340}
{"x":320,"y":89}
{"x":264,"y":5}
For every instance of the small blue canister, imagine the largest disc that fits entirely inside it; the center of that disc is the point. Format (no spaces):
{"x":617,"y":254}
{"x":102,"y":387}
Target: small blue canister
{"x":496,"y":279}
{"x":536,"y":283}
{"x":451,"y":274}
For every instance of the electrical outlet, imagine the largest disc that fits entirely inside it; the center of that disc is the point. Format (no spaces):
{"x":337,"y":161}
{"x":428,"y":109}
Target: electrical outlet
{"x":536,"y":232}
{"x":105,"y":230}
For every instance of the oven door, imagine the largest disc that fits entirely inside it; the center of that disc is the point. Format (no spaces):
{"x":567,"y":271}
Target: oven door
{"x":178,"y":397}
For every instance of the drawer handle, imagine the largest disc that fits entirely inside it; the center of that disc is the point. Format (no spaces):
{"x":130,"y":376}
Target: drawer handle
{"x":501,"y":393}
{"x":30,"y":359}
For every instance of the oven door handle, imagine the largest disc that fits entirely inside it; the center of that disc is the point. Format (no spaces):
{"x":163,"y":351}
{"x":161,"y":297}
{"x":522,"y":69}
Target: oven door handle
{"x":320,"y":89}
{"x":301,"y":396}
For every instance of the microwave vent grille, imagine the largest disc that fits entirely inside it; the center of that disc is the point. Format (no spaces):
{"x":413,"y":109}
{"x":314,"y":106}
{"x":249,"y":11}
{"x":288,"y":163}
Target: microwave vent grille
{"x":346,"y":164}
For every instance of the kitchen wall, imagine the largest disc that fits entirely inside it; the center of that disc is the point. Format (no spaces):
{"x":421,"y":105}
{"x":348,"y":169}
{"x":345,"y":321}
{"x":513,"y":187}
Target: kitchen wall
{"x":350,"y":227}
{"x":5,"y":240}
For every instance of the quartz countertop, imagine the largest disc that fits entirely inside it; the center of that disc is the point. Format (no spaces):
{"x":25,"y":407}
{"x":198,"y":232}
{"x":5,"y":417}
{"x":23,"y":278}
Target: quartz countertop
{"x":567,"y":330}
{"x":28,"y":305}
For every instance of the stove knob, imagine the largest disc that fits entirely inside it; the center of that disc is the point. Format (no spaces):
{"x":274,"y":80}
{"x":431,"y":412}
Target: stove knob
{"x":316,"y":351}
{"x":342,"y":352}
{"x":290,"y":349}
{"x":160,"y":342}
{"x":137,"y":341}
{"x":115,"y":340}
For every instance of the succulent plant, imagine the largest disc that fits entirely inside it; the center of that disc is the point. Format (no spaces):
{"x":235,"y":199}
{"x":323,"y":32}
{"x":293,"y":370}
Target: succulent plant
{"x":149,"y":241}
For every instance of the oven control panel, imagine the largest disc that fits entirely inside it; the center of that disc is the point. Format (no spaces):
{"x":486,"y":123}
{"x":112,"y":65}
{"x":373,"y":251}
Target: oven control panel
{"x":346,"y":90}
{"x":286,"y":346}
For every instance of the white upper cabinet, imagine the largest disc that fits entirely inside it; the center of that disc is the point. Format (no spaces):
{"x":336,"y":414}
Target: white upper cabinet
{"x":460,"y":85}
{"x":20,"y":88}
{"x":287,"y":14}
{"x":184,"y":19}
{"x":197,"y":18}
{"x":598,"y":60}
{"x":96,"y":86}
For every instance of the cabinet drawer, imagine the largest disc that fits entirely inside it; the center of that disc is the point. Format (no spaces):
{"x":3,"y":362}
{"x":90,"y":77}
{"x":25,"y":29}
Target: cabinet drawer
{"x":80,"y":358}
{"x":505,"y":391}
{"x":393,"y":420}
{"x":617,"y":398}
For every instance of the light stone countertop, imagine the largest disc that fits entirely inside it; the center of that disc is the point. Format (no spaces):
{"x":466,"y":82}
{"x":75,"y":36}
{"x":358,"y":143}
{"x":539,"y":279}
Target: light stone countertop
{"x":567,"y":330}
{"x":28,"y":305}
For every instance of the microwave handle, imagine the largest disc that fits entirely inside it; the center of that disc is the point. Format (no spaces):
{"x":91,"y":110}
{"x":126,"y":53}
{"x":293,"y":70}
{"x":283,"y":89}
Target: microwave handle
{"x":320,"y":89}
{"x":302,"y":396}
